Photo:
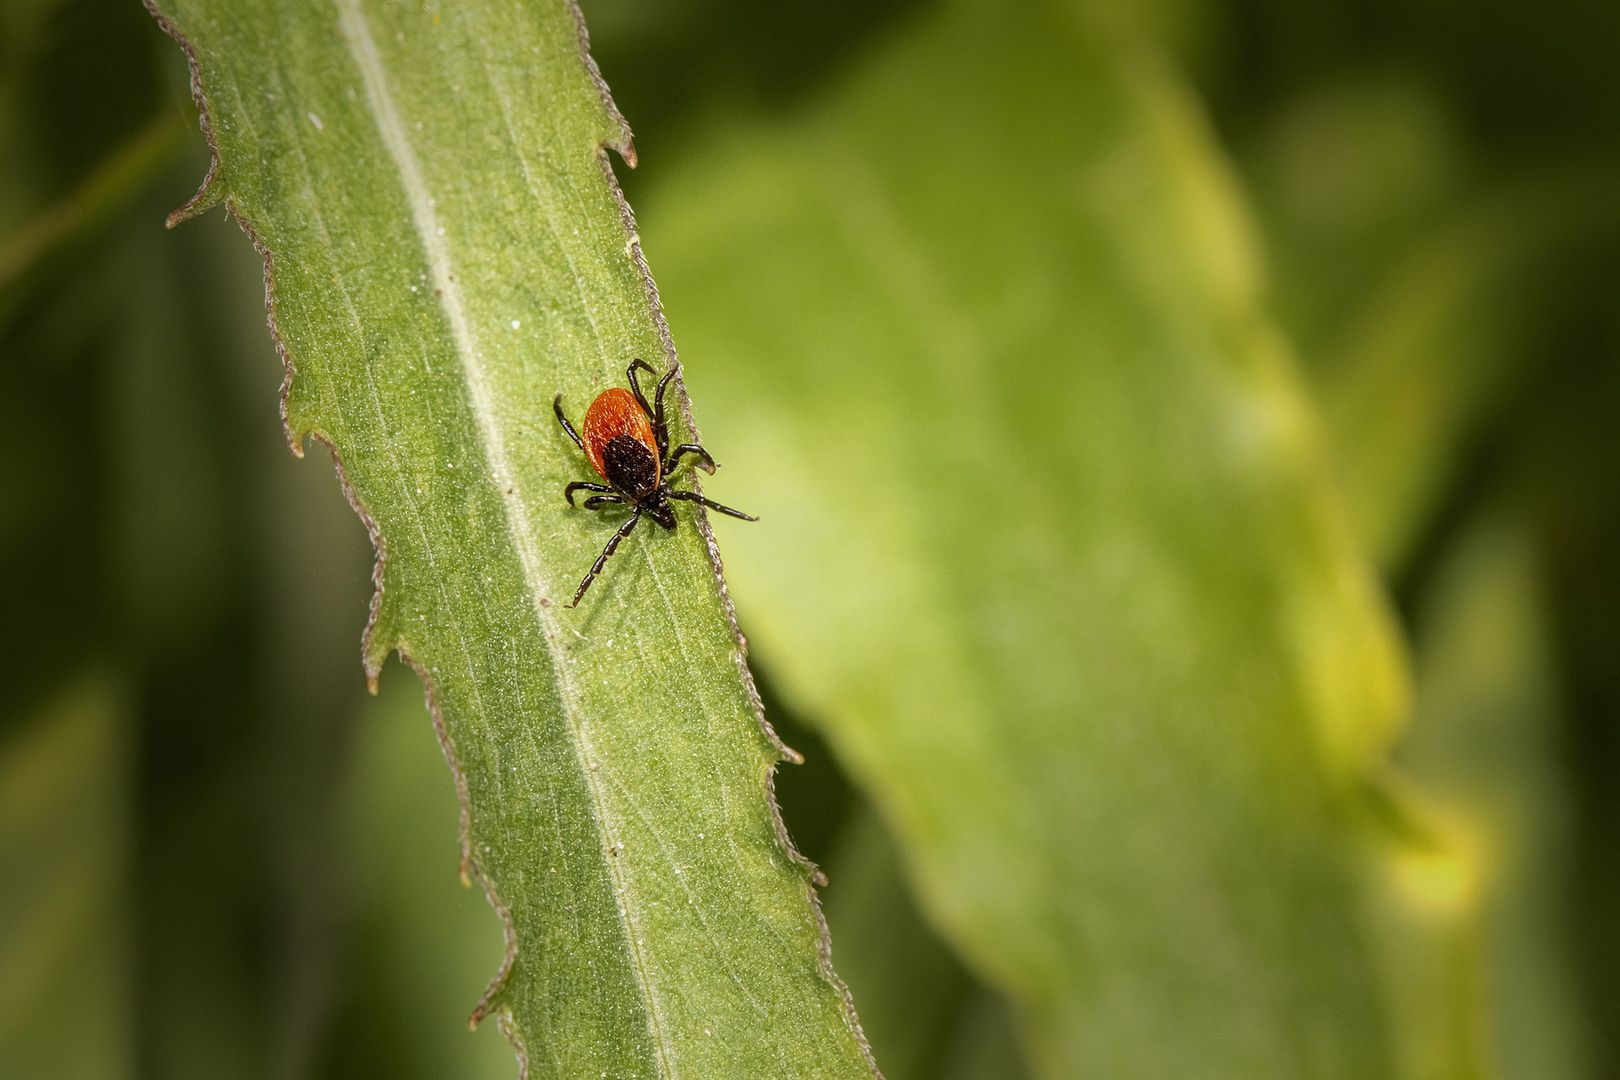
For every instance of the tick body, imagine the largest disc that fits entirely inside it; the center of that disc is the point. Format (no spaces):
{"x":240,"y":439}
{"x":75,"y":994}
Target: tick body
{"x":626,"y":441}
{"x":620,"y":443}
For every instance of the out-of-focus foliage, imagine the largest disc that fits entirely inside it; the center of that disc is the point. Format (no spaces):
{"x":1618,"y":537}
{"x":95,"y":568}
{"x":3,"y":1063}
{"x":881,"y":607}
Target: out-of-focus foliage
{"x":236,"y":863}
{"x":1050,"y":429}
{"x":64,"y":814}
{"x":1486,"y":746}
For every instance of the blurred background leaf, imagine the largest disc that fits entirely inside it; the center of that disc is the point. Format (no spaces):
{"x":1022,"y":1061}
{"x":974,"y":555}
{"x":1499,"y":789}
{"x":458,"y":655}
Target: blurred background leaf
{"x":65,"y":932}
{"x":1486,"y":741}
{"x":1050,"y":430}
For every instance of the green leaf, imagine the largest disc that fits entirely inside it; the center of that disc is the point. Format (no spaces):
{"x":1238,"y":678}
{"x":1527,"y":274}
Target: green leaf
{"x":1053,"y":558}
{"x":1416,"y":374}
{"x":423,"y":942}
{"x":913,"y":993}
{"x":1418,"y":287}
{"x":125,"y":173}
{"x":445,"y":250}
{"x":1487,"y":738}
{"x":64,"y":917}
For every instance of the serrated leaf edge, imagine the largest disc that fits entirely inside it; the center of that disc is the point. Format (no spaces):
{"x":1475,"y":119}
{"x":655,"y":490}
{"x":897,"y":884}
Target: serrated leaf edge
{"x":211,"y":193}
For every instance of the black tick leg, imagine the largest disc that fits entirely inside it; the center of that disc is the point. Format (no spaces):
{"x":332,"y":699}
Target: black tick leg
{"x":638,"y":364}
{"x":607,"y":552}
{"x":660,"y":428}
{"x":556,"y":407}
{"x":583,"y":485}
{"x":692,"y":496}
{"x":655,"y":411}
{"x":704,"y":460}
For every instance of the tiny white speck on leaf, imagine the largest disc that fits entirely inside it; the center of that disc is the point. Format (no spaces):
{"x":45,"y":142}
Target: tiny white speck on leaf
{"x":316,"y":121}
{"x":439,"y":231}
{"x":516,"y":324}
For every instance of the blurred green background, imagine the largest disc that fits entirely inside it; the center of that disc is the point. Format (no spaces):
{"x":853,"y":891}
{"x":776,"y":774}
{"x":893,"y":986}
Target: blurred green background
{"x":221,"y":857}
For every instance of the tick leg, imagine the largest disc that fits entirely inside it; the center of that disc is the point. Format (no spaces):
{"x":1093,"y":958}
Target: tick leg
{"x":556,"y":407}
{"x":661,"y":429}
{"x":695,"y":450}
{"x":638,"y":364}
{"x":596,"y":502}
{"x":601,"y":560}
{"x":692,"y":496}
{"x":583,"y":485}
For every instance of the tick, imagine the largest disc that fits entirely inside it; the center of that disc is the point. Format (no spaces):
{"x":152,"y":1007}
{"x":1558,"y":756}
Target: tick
{"x":627,"y":443}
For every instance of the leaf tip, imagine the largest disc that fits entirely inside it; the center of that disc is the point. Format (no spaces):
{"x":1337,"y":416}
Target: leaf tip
{"x":211,"y":192}
{"x":481,"y":1012}
{"x":208,"y":196}
{"x":620,"y":140}
{"x":372,"y":657}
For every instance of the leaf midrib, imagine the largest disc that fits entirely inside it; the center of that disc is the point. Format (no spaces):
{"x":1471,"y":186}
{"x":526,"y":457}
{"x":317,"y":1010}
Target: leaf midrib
{"x":390,"y":129}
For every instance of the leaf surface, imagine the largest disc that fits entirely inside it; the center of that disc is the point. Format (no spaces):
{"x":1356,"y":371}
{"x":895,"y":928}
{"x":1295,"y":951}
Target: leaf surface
{"x":445,"y":250}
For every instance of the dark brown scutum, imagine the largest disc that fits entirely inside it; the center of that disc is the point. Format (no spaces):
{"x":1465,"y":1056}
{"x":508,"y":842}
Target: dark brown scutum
{"x":629,"y":465}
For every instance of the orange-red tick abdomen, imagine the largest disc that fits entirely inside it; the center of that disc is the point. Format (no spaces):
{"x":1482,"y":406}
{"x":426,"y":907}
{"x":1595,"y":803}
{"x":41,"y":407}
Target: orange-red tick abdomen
{"x":615,"y":413}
